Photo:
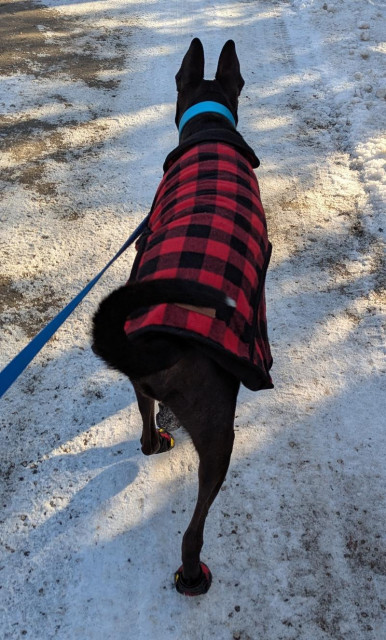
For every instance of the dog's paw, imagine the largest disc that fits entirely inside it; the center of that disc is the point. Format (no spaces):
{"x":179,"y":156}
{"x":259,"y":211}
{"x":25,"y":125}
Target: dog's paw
{"x":167,"y":441}
{"x":198,"y":588}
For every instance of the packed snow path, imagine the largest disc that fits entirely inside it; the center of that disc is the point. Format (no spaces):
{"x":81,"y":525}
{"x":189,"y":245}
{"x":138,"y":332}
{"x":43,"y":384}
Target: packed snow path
{"x":90,"y":528}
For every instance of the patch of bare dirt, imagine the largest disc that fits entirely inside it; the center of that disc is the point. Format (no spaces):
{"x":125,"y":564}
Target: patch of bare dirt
{"x":9,"y":297}
{"x":37,"y":132}
{"x":43,"y":43}
{"x":26,"y":308}
{"x":35,"y":40}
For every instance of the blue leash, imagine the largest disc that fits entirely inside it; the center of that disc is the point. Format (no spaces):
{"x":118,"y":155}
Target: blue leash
{"x":22,"y":360}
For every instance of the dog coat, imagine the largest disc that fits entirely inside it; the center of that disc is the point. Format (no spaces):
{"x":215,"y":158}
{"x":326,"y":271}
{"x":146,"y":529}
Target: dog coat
{"x":207,"y":224}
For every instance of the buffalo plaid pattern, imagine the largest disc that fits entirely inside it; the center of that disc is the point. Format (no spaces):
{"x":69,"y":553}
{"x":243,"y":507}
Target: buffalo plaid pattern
{"x":207,"y":224}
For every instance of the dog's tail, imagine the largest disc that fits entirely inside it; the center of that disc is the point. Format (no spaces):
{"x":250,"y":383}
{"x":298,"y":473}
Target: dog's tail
{"x":110,"y":341}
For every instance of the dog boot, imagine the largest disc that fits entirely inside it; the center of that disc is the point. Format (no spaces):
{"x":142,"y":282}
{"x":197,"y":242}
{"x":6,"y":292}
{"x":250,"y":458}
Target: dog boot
{"x":166,"y":441}
{"x":201,"y":586}
{"x":165,"y":419}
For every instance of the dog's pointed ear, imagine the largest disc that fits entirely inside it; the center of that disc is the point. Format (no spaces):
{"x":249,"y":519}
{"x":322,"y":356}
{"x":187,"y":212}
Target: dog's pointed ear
{"x":228,"y":69}
{"x":192,"y":67}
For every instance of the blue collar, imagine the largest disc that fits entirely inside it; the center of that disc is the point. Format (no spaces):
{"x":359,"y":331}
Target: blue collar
{"x":205,"y":107}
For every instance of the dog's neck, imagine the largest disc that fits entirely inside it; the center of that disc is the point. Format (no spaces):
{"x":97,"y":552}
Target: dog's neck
{"x":205,"y":121}
{"x":207,"y":114}
{"x":204,"y":108}
{"x":210,"y":127}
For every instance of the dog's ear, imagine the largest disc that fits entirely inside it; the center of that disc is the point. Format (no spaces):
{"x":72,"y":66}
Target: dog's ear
{"x":228,"y":69}
{"x":192,"y":67}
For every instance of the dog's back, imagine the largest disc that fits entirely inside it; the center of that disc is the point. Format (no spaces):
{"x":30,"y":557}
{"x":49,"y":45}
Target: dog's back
{"x":208,"y":225}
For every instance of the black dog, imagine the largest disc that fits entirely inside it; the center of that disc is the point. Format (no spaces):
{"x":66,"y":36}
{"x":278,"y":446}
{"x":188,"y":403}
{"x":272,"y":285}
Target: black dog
{"x":190,"y":324}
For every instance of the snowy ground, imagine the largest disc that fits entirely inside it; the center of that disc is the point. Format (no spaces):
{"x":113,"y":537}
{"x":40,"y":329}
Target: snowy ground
{"x":91,"y":529}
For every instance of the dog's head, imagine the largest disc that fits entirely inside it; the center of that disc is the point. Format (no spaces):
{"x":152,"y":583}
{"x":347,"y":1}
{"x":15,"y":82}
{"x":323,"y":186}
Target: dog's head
{"x":192,"y":88}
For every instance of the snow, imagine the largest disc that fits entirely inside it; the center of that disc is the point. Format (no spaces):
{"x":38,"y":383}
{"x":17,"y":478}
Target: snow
{"x":91,"y":529}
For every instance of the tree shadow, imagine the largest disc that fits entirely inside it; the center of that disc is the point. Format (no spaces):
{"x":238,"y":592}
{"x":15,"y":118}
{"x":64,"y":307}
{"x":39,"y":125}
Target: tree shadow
{"x":291,"y":527}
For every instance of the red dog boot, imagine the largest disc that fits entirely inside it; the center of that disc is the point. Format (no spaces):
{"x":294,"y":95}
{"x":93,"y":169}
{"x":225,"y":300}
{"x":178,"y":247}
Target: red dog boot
{"x":201,"y":586}
{"x":166,"y":441}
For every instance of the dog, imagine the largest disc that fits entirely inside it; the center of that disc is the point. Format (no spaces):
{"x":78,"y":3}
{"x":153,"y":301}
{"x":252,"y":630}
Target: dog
{"x":190,"y":324}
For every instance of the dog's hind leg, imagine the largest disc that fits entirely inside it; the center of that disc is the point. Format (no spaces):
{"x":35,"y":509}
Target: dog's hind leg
{"x":153,"y":440}
{"x":149,"y":441}
{"x":193,"y":577}
{"x":207,"y":412}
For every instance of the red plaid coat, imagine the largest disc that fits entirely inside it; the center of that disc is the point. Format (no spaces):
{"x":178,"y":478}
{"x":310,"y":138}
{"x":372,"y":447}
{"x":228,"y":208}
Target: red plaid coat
{"x":207,"y":223}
